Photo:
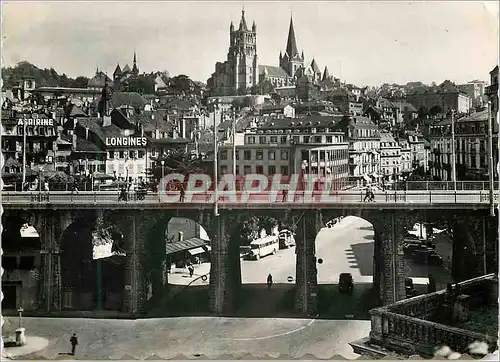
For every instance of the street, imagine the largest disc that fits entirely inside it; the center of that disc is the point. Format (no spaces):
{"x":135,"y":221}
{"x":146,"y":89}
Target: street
{"x":209,"y":336}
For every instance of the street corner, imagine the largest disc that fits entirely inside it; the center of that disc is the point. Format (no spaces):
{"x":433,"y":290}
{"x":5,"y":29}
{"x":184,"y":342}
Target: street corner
{"x":33,"y":344}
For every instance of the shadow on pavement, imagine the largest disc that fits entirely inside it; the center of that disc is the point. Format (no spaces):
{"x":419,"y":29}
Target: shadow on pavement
{"x":360,"y":256}
{"x":257,"y":301}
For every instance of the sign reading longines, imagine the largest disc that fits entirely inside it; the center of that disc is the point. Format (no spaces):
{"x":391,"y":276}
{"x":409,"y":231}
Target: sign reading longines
{"x":126,"y":141}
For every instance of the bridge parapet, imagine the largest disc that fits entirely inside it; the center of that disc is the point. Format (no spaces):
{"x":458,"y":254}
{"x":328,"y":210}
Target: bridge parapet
{"x":67,"y":199}
{"x":402,"y":326}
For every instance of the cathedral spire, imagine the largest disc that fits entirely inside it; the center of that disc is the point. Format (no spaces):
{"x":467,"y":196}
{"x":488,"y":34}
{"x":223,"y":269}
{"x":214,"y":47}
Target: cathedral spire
{"x":135,"y":68}
{"x":291,"y":44}
{"x":326,"y":74}
{"x":243,"y":23}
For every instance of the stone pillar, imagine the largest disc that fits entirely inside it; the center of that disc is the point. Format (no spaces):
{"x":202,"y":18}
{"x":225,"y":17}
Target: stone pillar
{"x":221,"y":297}
{"x":50,"y":225}
{"x":306,"y":294}
{"x":134,"y":293}
{"x":389,"y":232}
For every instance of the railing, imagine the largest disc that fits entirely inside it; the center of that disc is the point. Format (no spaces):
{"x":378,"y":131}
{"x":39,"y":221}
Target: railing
{"x":404,"y":198}
{"x":398,"y":327}
{"x":401,"y":186}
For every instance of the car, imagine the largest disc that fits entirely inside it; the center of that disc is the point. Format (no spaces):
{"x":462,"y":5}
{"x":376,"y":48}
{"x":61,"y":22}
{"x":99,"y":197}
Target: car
{"x":346,"y":283}
{"x":410,"y":289}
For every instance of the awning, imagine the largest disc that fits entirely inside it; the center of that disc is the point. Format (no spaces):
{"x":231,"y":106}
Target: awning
{"x":171,"y":248}
{"x":207,"y":247}
{"x":368,"y":179}
{"x":196,"y":251}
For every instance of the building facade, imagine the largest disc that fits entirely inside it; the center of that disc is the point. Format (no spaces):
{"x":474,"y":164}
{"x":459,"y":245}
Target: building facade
{"x":390,"y":156}
{"x":475,"y":90}
{"x":285,"y":146}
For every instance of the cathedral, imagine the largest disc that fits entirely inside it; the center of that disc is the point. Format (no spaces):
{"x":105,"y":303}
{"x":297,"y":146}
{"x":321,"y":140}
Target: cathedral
{"x":240,"y":72}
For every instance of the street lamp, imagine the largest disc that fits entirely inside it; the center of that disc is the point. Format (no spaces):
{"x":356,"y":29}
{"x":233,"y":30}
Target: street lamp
{"x":491,"y":167}
{"x":162,"y":169}
{"x":453,"y":162}
{"x":216,"y":156}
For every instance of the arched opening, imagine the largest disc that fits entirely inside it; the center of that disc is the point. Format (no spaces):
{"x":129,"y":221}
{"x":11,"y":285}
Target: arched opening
{"x":20,"y":262}
{"x":178,"y":267}
{"x":92,"y":265}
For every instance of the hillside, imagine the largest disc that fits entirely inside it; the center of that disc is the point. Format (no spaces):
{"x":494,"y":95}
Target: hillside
{"x":43,"y":77}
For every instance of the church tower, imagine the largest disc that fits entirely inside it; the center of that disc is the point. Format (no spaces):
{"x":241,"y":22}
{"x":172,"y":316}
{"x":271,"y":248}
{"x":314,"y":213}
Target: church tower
{"x":291,"y":61}
{"x":242,"y":56}
{"x":135,"y":68}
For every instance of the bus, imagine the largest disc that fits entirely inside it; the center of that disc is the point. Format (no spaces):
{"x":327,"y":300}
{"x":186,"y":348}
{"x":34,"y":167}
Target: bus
{"x":264,"y":246}
{"x":286,"y":239}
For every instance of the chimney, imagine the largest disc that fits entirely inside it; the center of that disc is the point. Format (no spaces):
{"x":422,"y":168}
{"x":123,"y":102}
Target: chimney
{"x":86,"y":133}
{"x":181,"y":236}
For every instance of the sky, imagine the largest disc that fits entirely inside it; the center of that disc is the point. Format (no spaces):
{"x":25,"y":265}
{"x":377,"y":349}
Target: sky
{"x":365,"y":43}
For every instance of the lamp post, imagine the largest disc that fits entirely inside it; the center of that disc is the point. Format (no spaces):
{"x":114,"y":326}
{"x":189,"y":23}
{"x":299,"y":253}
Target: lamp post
{"x":491,"y":167}
{"x":216,"y":156}
{"x":162,"y":169}
{"x":24,"y":155}
{"x":234,"y":150}
{"x":453,"y":162}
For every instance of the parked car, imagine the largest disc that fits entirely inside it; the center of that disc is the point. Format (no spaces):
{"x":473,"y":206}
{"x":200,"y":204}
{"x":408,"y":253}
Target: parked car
{"x":410,"y":289}
{"x":346,"y":283}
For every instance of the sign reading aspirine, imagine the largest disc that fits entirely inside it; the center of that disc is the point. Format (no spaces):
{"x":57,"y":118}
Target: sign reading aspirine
{"x":35,"y":122}
{"x":126,"y":141}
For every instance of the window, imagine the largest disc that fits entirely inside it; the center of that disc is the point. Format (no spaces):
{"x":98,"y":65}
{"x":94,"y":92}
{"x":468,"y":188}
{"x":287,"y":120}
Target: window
{"x":284,"y":170}
{"x":121,"y":154}
{"x":271,"y":155}
{"x":274,"y":139}
{"x":131,"y":154}
{"x":237,"y":153}
{"x":259,"y":170}
{"x":111,"y":155}
{"x":284,"y":155}
{"x":317,"y":139}
{"x":271,"y":170}
{"x":259,"y":155}
{"x":283,"y":139}
{"x":9,"y":262}
{"x":247,"y":155}
{"x":251,"y":140}
{"x":141,"y":154}
{"x":306,"y":139}
{"x":328,"y":139}
{"x":237,"y":169}
{"x":223,"y":170}
{"x":223,"y":155}
{"x":262,"y":140}
{"x":296,"y":139}
{"x":247,"y":170}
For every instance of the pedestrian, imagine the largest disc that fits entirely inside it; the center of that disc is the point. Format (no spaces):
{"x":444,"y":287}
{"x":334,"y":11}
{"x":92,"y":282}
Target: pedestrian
{"x":46,"y":186}
{"x":74,"y":342}
{"x":285,"y":193}
{"x":75,"y":187}
{"x":269,"y":281}
{"x":368,"y":194}
{"x":191,"y":270}
{"x":183,"y":192}
{"x":123,"y":194}
{"x":431,"y":287}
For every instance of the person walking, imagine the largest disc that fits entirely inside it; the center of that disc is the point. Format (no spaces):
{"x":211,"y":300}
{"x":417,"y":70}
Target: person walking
{"x":269,"y":281}
{"x":368,"y":194}
{"x":285,"y":193}
{"x":183,"y":192}
{"x":191,"y":270}
{"x":74,"y":342}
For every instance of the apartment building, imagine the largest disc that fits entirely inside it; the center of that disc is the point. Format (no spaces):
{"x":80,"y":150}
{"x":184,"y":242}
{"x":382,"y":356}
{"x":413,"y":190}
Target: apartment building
{"x":390,"y":156}
{"x":312,"y":145}
{"x":364,"y":147}
{"x":471,"y":147}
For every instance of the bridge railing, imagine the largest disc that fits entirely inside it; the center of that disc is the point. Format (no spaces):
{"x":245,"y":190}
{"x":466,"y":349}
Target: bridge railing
{"x":342,"y":197}
{"x":345,"y":186}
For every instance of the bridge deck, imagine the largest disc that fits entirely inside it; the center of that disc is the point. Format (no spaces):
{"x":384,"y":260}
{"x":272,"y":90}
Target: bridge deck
{"x":344,"y":199}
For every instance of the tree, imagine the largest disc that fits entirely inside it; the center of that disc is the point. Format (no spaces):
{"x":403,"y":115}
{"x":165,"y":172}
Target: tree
{"x":178,"y":161}
{"x":141,"y":84}
{"x":422,"y":113}
{"x":434,"y":111}
{"x":80,"y":82}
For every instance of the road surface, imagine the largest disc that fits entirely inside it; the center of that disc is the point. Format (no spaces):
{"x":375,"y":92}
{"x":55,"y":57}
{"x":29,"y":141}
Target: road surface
{"x":210,"y":336}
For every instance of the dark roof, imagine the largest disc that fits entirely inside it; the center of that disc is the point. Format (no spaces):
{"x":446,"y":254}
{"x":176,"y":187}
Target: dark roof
{"x":132,"y":99}
{"x":83,"y":145}
{"x":474,"y":117}
{"x":315,"y":66}
{"x":179,"y":104}
{"x":272,"y":71}
{"x":302,"y":123}
{"x":11,"y":162}
{"x":151,"y":124}
{"x":98,"y":80}
{"x":75,"y":111}
{"x":184,"y":245}
{"x":93,"y":124}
